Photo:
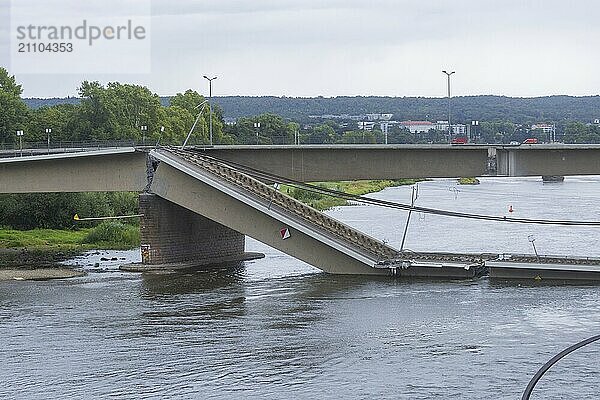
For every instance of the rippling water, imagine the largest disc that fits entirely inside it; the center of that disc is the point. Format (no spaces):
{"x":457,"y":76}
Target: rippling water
{"x":277,"y":328}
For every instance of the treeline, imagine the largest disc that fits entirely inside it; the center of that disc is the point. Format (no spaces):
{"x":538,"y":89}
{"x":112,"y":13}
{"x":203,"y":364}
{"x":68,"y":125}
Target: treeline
{"x":56,"y":210}
{"x":112,"y":112}
{"x":464,"y":109}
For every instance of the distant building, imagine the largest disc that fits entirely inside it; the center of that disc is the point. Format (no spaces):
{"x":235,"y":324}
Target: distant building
{"x":341,"y":116}
{"x":441,"y":126}
{"x":379,"y":117}
{"x":545,"y":128}
{"x":366,"y":125}
{"x":457,"y":129}
{"x":597,"y":121}
{"x":417,"y":126}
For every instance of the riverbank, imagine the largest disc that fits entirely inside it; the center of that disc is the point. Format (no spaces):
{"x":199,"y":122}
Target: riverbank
{"x":359,"y":188}
{"x":39,"y":274}
{"x":48,"y":247}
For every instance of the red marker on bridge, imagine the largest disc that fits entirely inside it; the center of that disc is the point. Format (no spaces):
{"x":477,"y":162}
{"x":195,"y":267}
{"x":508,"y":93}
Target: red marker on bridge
{"x":285,"y":233}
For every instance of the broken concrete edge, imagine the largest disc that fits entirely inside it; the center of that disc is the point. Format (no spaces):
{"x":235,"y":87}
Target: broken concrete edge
{"x":191,"y":265}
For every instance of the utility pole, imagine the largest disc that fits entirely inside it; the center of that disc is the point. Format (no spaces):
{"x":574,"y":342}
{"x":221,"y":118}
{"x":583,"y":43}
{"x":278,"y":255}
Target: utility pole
{"x":449,"y":106}
{"x":210,"y":129}
{"x":413,"y":198}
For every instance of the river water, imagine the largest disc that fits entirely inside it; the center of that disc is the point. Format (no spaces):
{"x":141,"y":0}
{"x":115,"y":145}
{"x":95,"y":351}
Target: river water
{"x":277,"y":328}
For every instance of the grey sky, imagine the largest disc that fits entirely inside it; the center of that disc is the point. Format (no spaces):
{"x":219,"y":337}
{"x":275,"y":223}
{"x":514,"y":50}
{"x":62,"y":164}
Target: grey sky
{"x":352,"y":47}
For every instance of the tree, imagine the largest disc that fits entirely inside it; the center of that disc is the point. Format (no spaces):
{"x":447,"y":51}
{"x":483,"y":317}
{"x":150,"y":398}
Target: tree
{"x":62,"y":119}
{"x":322,"y":134}
{"x":189,"y":101}
{"x":13,"y":111}
{"x":118,"y":111}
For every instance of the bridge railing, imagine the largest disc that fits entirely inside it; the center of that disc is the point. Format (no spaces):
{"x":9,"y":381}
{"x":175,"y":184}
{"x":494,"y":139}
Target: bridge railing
{"x":37,"y":148}
{"x":69,"y":144}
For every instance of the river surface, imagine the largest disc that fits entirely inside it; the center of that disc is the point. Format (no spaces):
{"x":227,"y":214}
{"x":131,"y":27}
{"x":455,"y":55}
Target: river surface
{"x":278,"y":329}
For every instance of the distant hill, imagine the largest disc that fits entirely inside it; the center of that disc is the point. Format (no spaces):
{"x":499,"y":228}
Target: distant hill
{"x":464,"y":109}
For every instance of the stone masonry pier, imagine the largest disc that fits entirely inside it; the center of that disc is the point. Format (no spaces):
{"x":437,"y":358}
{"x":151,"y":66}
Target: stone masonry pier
{"x":175,"y":237}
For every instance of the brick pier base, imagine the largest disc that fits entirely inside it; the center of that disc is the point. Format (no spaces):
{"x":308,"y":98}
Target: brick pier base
{"x":175,"y":237}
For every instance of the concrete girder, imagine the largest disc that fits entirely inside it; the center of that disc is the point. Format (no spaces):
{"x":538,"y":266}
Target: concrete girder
{"x":536,"y":160}
{"x":92,"y":171}
{"x":315,"y":163}
{"x":221,"y":202}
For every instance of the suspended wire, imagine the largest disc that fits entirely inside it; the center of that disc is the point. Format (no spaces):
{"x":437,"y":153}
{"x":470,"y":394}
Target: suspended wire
{"x":394,"y":205}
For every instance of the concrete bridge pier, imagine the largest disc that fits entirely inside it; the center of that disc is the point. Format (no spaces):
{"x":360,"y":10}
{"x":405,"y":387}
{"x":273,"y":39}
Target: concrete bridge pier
{"x":173,"y":237}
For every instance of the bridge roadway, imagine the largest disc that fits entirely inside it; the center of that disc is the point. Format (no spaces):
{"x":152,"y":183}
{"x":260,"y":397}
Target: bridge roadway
{"x":313,"y":163}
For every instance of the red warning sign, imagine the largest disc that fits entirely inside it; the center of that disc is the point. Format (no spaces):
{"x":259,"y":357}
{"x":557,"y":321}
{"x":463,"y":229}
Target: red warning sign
{"x":285,"y":233}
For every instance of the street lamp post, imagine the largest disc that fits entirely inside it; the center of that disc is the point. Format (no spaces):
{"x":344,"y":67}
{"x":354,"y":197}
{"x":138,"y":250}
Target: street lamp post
{"x":474,"y":125}
{"x":162,"y":131}
{"x":20,"y":135}
{"x":210,"y":129}
{"x":144,"y":129}
{"x":257,"y":127}
{"x":48,"y":132}
{"x":449,"y":108}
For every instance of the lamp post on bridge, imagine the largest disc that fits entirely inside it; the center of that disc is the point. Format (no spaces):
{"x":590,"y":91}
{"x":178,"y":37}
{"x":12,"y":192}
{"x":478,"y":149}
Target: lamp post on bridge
{"x":162,"y":131}
{"x":210,"y":129}
{"x":257,"y":127}
{"x":449,"y":74}
{"x":48,"y":132}
{"x":144,"y":129}
{"x":20,"y":134}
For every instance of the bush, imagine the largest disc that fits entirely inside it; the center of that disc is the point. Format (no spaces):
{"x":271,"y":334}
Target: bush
{"x":56,"y":210}
{"x":117,"y":233}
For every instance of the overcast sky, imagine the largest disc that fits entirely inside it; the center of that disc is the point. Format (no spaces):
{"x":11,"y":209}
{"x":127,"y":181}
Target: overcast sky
{"x":351,"y":47}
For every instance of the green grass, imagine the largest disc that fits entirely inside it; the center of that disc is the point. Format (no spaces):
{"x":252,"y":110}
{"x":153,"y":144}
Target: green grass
{"x":359,"y":188}
{"x":42,"y":238}
{"x":108,"y":235}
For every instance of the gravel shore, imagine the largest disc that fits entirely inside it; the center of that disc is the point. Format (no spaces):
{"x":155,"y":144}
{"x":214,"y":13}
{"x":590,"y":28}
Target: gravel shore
{"x":40,"y":274}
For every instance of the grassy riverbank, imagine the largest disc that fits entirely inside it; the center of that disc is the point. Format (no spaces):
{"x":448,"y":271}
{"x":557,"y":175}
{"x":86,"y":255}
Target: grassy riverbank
{"x":359,"y":188}
{"x":106,"y":236}
{"x":48,"y":246}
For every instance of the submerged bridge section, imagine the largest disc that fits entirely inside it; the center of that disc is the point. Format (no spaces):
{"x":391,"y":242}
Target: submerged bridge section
{"x":241,"y":203}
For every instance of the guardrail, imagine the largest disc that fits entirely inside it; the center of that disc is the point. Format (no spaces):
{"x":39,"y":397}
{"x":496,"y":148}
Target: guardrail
{"x":68,"y":144}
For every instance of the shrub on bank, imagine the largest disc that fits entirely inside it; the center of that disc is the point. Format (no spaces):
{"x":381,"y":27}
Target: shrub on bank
{"x":116,"y":233}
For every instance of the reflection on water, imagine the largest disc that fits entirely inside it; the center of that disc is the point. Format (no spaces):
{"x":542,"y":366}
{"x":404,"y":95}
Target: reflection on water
{"x":277,"y":328}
